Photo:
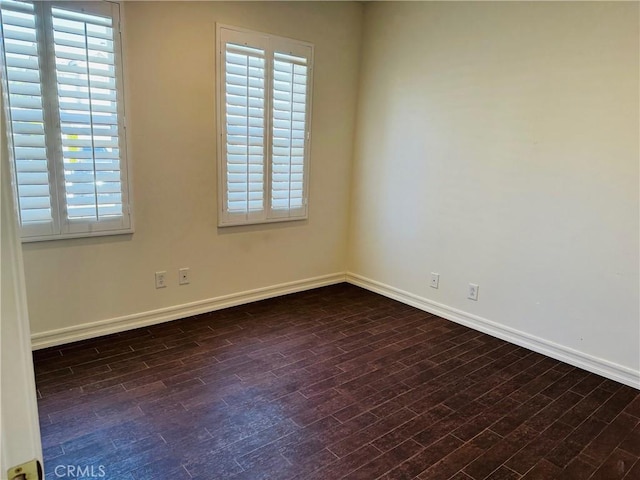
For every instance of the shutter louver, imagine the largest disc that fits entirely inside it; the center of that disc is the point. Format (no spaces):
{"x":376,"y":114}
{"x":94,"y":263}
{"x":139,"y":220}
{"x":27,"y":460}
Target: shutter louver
{"x":26,"y":114}
{"x":245,"y":126}
{"x":88,"y":113}
{"x":289,"y":107}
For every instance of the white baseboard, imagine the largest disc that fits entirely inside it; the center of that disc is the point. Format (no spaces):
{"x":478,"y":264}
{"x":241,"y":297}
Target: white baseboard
{"x":587,"y":362}
{"x":565,"y":354}
{"x":119,"y":324}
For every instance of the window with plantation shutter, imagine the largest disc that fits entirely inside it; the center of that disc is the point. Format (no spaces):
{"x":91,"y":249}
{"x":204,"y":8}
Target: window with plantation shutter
{"x":63,"y":98}
{"x":264,"y":96}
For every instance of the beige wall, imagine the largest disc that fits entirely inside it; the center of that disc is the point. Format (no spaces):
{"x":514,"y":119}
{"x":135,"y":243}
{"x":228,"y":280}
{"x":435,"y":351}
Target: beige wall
{"x":498,"y":144}
{"x":171,"y":116}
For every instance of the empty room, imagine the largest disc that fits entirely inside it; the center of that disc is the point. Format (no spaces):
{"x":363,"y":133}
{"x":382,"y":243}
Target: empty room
{"x":317,"y":240}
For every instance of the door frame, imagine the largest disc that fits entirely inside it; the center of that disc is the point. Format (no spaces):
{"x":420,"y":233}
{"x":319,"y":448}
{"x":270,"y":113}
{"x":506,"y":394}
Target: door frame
{"x":20,"y":439}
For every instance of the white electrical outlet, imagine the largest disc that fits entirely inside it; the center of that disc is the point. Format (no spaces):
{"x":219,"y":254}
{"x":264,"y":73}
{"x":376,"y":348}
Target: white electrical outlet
{"x":473,"y":291}
{"x":183,"y":276}
{"x":161,"y":279}
{"x":435,"y":280}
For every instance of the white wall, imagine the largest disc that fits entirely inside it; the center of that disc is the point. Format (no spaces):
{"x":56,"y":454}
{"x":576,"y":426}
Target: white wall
{"x":171,"y":116}
{"x":498,"y":143}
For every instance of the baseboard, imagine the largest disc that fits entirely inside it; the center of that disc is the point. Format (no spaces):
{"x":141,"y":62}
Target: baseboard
{"x":119,"y":324}
{"x":565,"y":354}
{"x":571,"y":356}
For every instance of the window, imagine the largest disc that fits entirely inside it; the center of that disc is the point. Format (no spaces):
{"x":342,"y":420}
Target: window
{"x":264,"y":99}
{"x":62,"y":88}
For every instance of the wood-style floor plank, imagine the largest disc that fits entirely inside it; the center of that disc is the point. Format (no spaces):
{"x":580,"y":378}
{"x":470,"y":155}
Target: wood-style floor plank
{"x":331,"y":383}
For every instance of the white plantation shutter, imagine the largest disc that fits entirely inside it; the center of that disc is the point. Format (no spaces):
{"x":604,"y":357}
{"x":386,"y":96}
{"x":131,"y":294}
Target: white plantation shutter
{"x":75,"y":84}
{"x":88,"y":113}
{"x":264,"y":97}
{"x":26,"y":115}
{"x":245,"y":128}
{"x":289,"y":111}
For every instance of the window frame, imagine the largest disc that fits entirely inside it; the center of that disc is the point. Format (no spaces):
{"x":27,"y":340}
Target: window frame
{"x":270,"y":44}
{"x":61,"y":227}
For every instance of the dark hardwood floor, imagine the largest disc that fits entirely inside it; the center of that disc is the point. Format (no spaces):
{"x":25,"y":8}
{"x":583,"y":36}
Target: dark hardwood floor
{"x":332,"y":383}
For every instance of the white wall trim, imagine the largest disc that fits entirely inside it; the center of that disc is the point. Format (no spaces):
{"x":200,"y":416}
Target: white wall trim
{"x":565,"y":354}
{"x":571,"y":356}
{"x":119,"y":324}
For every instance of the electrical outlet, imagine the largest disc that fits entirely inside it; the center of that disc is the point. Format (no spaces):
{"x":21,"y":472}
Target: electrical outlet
{"x":435,"y":280}
{"x":161,"y":279}
{"x":473,"y":291}
{"x":183,"y":276}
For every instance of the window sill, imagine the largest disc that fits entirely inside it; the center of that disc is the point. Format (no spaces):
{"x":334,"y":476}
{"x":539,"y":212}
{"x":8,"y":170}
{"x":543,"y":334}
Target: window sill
{"x":69,"y":236}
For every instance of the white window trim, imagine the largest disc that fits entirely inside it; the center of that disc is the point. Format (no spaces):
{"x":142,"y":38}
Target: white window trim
{"x":269,"y":43}
{"x":62,"y":228}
